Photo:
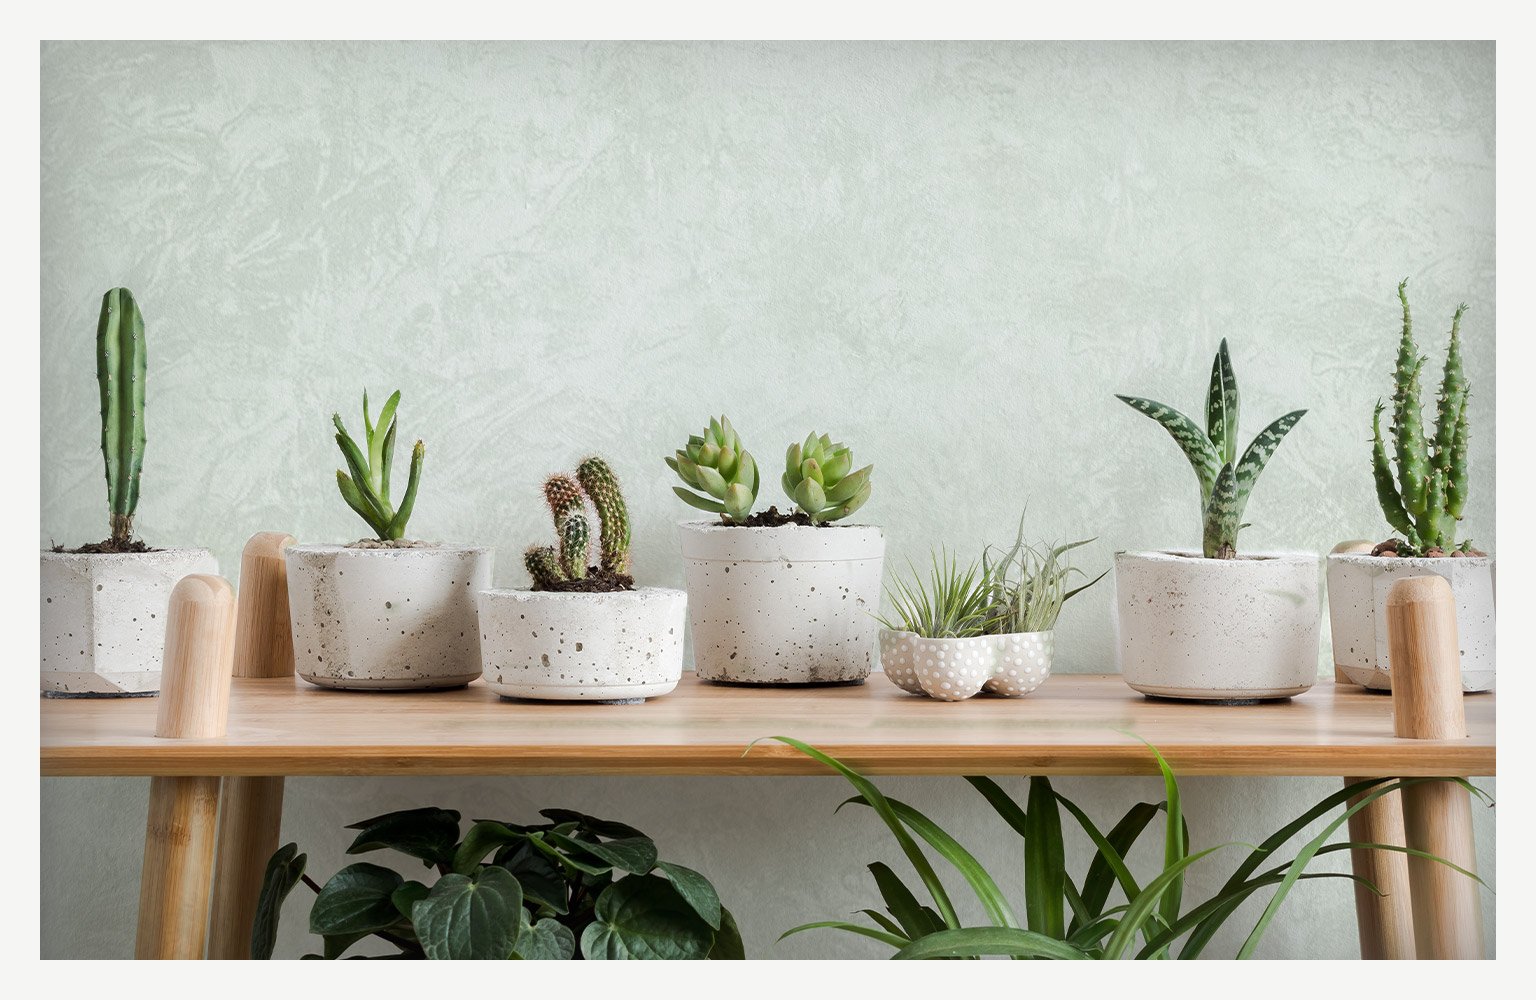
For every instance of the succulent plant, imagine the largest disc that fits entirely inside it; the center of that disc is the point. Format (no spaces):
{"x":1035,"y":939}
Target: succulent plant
{"x":1225,"y":479}
{"x":818,"y":478}
{"x":366,"y":489}
{"x":552,"y":567}
{"x":1429,"y":493}
{"x":1029,"y":584}
{"x":121,"y":373}
{"x":718,"y":467}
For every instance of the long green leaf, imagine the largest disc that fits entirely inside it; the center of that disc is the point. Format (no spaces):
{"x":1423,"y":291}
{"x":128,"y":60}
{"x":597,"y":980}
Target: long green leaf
{"x":886,"y":923}
{"x":1187,"y":434}
{"x":901,"y":903}
{"x":1225,"y":903}
{"x":1175,"y":844}
{"x":1221,"y":405}
{"x":1140,"y":909}
{"x":1045,"y":866}
{"x":893,"y":940}
{"x":1259,"y":452}
{"x":967,"y":942}
{"x":1108,"y":865}
{"x":1001,"y":801}
{"x":1222,"y":514}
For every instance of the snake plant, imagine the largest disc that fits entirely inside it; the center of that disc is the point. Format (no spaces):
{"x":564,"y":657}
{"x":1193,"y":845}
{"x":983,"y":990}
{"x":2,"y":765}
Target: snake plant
{"x":1226,"y":479}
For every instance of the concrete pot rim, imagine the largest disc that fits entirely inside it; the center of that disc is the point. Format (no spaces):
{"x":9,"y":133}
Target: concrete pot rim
{"x":1190,"y":557}
{"x":333,"y":548}
{"x":714,"y":527}
{"x":153,"y":556}
{"x":1366,"y":559}
{"x":968,"y":638}
{"x":638,"y":595}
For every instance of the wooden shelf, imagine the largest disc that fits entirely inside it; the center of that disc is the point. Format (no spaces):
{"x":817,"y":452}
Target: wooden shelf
{"x":1073,"y":725}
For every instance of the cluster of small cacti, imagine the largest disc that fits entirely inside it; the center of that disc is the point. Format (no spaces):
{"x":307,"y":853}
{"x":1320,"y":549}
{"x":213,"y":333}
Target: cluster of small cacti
{"x":722,"y":476}
{"x":121,"y":373}
{"x":1225,"y":479}
{"x":1427,"y":497}
{"x":366,"y":489}
{"x":549,"y":566}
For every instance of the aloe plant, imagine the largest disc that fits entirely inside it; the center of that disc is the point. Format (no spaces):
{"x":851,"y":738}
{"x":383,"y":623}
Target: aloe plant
{"x":721,"y":475}
{"x":818,"y":477}
{"x":552,"y":568}
{"x":121,"y":372}
{"x":1226,"y":480}
{"x":1429,"y":494}
{"x":1064,"y":918}
{"x":366,"y":489}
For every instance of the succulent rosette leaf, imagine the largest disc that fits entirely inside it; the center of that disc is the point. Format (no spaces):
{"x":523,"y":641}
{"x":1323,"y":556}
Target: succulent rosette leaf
{"x":721,"y":475}
{"x":818,"y":478}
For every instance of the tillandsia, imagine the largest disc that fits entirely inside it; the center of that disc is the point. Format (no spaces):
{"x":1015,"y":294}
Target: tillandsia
{"x":366,"y":488}
{"x":1226,"y":480}
{"x":1063,"y":918}
{"x":564,"y":567}
{"x":953,"y":603}
{"x":818,"y":477}
{"x":121,"y":371}
{"x":1429,"y":493}
{"x":1029,"y":584}
{"x":721,"y":475}
{"x":572,"y":886}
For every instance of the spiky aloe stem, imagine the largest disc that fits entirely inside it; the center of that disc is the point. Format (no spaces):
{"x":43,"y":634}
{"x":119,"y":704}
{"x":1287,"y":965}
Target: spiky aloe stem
{"x":121,"y":372}
{"x":602,"y":487}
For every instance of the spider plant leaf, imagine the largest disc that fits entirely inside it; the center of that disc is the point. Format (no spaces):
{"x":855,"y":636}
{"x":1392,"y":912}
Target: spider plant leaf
{"x":886,"y":923}
{"x":1140,"y":910}
{"x":968,"y":942}
{"x":1187,"y":435}
{"x":900,"y":902}
{"x":1045,"y":865}
{"x":1108,"y":865}
{"x":1006,"y":807}
{"x":842,"y":925}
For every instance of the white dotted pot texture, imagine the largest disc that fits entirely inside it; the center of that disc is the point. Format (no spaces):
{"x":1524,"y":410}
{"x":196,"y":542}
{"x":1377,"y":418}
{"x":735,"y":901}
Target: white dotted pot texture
{"x":1357,"y":614}
{"x":103,"y":618}
{"x":1218,"y":629}
{"x":386,"y":619}
{"x":582,"y":647}
{"x":956,"y":669}
{"x":786,"y":605}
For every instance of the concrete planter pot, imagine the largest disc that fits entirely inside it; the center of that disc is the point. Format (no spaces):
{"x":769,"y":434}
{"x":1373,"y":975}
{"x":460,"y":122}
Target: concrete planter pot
{"x":548,"y":646}
{"x":1357,"y":596}
{"x":786,"y":605}
{"x":386,"y":619}
{"x":956,"y":669}
{"x":1218,"y":629}
{"x":103,"y":618}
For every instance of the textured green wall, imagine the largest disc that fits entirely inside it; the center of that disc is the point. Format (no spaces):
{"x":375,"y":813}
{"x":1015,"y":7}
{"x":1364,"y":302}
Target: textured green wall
{"x":948,"y":255}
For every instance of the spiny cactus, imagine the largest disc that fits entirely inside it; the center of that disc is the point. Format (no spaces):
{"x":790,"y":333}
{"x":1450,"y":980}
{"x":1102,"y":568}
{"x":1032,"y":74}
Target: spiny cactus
{"x":366,"y":490}
{"x":551,"y":568}
{"x":1225,"y":479}
{"x":817,"y":478}
{"x":716,"y":464}
{"x":1429,"y":493}
{"x":121,"y":373}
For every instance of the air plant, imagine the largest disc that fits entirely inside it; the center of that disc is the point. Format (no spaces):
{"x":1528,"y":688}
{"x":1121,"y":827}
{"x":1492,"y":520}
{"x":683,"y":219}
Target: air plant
{"x":555,"y":568}
{"x":366,"y":489}
{"x":952,"y":604}
{"x":721,"y":475}
{"x":1029,"y":584}
{"x":121,"y":372}
{"x":1430,"y":491}
{"x":818,"y":478}
{"x":1225,"y":479}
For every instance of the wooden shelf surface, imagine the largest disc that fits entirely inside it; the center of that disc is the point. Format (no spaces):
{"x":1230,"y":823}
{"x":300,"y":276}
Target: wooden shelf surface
{"x":1074,"y":724}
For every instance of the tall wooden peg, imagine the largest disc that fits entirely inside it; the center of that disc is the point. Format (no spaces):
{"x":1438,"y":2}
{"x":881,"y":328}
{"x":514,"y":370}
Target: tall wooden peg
{"x":1437,"y":816}
{"x":179,"y":834}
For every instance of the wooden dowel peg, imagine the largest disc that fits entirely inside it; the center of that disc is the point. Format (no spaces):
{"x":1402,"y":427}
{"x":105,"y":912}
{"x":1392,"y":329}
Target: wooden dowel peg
{"x":263,"y":634}
{"x":1426,"y":660}
{"x":1386,"y":920}
{"x":199,"y":659}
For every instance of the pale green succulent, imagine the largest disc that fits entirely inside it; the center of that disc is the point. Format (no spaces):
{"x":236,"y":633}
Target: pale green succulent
{"x":818,"y":479}
{"x":716,"y":465}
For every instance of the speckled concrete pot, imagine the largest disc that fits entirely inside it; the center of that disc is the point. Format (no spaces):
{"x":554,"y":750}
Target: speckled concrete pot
{"x":386,"y":619}
{"x":623,"y":646}
{"x":1218,"y":629}
{"x":103,"y":618}
{"x":956,"y":669}
{"x":1357,"y":616}
{"x":787,"y":605}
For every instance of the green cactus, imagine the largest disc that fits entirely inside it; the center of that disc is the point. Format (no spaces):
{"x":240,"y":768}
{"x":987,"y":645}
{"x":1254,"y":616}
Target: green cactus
{"x":1226,"y":480}
{"x":121,"y":373}
{"x":1428,"y":493}
{"x":818,"y":479}
{"x":715,"y":464}
{"x":567,"y":499}
{"x":366,"y":489}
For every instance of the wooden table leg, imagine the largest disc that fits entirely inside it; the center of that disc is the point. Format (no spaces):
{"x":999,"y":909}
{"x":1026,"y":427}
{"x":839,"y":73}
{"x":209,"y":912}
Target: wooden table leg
{"x":1386,"y":920}
{"x":1437,"y":816}
{"x":183,"y":812}
{"x":251,"y":811}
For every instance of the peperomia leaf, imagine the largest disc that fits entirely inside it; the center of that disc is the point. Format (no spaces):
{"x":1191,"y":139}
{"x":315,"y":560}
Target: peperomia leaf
{"x":470,"y":917}
{"x":406,"y":897}
{"x":644,"y":917}
{"x":284,"y":869}
{"x":357,"y":900}
{"x":541,"y":881}
{"x":696,"y":889}
{"x":483,"y":838}
{"x":728,"y":946}
{"x":547,"y":940}
{"x":602,"y":827}
{"x":429,"y":834}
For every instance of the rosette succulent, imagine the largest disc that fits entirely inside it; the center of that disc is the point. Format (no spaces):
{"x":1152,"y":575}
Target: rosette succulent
{"x":818,"y":477}
{"x":721,"y":474}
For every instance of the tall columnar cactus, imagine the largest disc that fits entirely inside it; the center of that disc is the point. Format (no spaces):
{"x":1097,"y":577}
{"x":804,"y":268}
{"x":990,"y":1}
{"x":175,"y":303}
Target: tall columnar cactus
{"x":716,"y":465}
{"x":1225,"y":479}
{"x":818,"y":479}
{"x":366,"y":489}
{"x":551,"y":568}
{"x":121,"y":373}
{"x":1429,"y":493}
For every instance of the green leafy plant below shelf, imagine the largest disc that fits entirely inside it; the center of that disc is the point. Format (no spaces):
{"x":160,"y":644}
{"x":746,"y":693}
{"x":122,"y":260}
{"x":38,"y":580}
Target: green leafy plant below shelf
{"x":574,"y":885}
{"x":1064,"y":918}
